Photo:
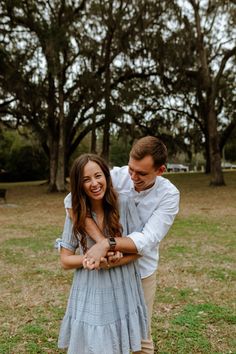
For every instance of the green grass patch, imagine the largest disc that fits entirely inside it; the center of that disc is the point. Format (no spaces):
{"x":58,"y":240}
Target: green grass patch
{"x":24,"y":250}
{"x":170,"y":295}
{"x":194,"y":310}
{"x":175,"y":339}
{"x":177,"y":250}
{"x":222,"y":274}
{"x":187,"y":332}
{"x":38,"y":335}
{"x":197,"y":316}
{"x":187,"y":227}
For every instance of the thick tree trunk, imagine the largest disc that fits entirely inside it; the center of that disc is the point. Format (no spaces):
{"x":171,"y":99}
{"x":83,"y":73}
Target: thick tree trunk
{"x":108,"y":117}
{"x":53,"y":148}
{"x":52,"y":134}
{"x":217,"y":178}
{"x":210,"y":87}
{"x":60,"y":176}
{"x":106,"y":140}
{"x":93,"y":148}
{"x":207,"y":155}
{"x":106,"y":128}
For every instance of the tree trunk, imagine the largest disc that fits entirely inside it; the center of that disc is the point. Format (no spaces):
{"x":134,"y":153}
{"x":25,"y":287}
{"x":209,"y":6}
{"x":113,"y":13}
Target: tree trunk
{"x":52,"y":134}
{"x":93,"y":148}
{"x":207,"y":85}
{"x":60,"y":176}
{"x":217,"y":178}
{"x":53,"y":148}
{"x":106,"y":129}
{"x":207,"y":154}
{"x":106,"y":140}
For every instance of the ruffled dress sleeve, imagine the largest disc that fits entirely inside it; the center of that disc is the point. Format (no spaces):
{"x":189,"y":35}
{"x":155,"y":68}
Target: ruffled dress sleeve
{"x":68,"y":239}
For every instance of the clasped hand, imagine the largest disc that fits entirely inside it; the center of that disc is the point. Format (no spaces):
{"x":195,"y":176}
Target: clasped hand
{"x":104,"y":262}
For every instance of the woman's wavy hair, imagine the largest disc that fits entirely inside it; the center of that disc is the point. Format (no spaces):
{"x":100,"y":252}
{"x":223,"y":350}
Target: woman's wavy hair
{"x":81,"y":204}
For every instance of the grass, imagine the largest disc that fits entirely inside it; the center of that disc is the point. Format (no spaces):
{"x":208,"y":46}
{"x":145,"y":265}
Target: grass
{"x":194,"y":310}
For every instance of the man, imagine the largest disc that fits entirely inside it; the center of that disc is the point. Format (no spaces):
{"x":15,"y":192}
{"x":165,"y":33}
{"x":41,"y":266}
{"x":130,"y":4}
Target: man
{"x":157,"y":203}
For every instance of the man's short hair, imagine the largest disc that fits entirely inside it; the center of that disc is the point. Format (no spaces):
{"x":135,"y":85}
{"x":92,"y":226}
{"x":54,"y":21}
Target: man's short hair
{"x":150,"y":145}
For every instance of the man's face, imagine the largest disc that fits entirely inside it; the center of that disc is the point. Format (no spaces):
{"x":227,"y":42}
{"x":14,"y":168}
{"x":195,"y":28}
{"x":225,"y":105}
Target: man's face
{"x":143,"y":173}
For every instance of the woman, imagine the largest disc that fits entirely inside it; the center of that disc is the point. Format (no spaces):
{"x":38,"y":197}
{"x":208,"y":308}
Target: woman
{"x":106,"y":312}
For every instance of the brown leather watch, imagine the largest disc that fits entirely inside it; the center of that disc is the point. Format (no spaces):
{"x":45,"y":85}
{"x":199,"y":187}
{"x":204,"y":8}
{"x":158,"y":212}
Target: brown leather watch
{"x":112,"y":243}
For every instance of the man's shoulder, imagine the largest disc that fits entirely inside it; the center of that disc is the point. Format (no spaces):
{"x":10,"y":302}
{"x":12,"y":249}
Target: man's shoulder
{"x":68,"y":201}
{"x":123,"y":170}
{"x":120,"y":178}
{"x":166,"y":185}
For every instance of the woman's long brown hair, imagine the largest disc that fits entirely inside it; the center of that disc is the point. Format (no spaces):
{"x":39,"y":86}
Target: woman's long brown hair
{"x":81,"y":205}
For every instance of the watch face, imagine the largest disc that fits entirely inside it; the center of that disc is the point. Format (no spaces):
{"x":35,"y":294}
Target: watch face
{"x":112,"y":242}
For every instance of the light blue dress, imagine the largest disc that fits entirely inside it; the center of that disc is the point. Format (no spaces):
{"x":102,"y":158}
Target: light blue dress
{"x":106,"y":312}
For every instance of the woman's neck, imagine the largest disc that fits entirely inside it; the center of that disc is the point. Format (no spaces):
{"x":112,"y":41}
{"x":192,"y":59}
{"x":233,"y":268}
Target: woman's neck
{"x":97,"y":207}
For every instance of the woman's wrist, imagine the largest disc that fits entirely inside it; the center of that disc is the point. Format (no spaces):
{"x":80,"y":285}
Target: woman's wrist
{"x":105,"y":244}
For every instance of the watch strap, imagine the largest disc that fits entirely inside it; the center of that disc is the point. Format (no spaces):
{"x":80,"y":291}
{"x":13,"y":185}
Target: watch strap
{"x":112,"y":243}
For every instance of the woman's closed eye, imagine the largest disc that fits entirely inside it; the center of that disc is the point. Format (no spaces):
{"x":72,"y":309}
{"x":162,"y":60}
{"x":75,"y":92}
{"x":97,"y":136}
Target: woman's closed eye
{"x":87,"y":179}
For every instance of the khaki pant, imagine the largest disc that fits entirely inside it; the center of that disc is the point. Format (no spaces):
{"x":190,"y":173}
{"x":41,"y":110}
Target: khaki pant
{"x":149,"y":288}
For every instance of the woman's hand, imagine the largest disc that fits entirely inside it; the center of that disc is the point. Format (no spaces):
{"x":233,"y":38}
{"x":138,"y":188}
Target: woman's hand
{"x":111,"y":257}
{"x":87,"y":264}
{"x":96,"y":253}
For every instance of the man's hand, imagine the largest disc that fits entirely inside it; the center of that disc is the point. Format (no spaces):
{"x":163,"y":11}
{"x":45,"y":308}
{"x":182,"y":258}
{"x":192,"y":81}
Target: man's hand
{"x":104,"y":264}
{"x":114,"y":257}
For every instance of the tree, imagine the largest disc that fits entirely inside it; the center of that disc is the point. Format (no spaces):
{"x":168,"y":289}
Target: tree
{"x":202,"y":65}
{"x":191,"y":96}
{"x":69,"y":67}
{"x":209,"y":85}
{"x":62,"y":61}
{"x":43,"y":70}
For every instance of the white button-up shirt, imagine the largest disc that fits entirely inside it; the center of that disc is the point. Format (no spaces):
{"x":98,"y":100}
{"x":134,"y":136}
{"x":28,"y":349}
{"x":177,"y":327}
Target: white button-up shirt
{"x":156,"y":207}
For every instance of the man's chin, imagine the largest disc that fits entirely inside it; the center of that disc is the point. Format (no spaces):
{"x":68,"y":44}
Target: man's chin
{"x":138,"y":186}
{"x":142,"y":186}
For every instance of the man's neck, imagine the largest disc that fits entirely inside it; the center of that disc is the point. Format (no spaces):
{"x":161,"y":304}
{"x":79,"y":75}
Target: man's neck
{"x":144,"y":189}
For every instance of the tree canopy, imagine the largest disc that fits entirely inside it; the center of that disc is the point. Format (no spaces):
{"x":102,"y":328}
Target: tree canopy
{"x":164,"y":68}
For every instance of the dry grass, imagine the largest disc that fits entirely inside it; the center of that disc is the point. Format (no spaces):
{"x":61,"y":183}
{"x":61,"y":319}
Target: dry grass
{"x":195,"y":302}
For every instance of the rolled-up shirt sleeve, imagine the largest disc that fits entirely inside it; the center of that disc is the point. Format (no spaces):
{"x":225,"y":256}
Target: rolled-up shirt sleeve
{"x":157,"y":225}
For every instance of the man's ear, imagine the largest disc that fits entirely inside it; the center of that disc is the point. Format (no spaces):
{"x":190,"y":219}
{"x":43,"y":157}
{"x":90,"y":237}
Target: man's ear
{"x":161,"y":170}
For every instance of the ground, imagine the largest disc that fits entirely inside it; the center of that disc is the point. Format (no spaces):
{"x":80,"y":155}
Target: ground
{"x":194,"y":311}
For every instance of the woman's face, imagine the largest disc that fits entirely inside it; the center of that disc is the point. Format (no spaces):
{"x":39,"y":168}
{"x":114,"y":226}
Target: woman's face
{"x":94,"y":181}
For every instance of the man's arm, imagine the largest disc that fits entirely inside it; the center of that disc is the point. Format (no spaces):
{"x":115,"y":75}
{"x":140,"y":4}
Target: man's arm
{"x":122,"y":245}
{"x":90,"y":226}
{"x":158,"y":225}
{"x":153,"y":232}
{"x":101,"y":248}
{"x":95,"y":233}
{"x":122,"y":261}
{"x":98,"y":251}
